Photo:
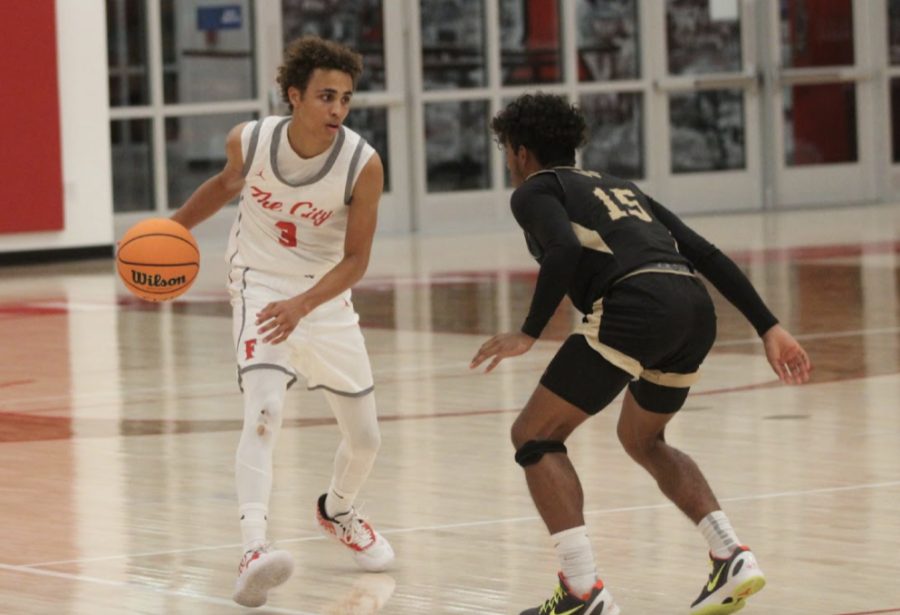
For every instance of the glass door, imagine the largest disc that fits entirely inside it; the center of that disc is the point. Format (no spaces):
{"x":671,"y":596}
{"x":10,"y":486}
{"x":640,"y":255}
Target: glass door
{"x":181,"y":75}
{"x":706,"y":105}
{"x":891,"y":99}
{"x":610,"y":71}
{"x":451,"y":71}
{"x":375,"y":29}
{"x":820,"y":93}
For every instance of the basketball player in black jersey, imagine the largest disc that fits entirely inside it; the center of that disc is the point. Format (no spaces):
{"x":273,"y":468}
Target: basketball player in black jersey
{"x":630,"y":266}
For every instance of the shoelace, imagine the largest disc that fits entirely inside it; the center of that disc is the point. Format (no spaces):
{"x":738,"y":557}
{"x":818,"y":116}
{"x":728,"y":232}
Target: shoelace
{"x":248,"y":556}
{"x":550,"y":605}
{"x":353,"y":529}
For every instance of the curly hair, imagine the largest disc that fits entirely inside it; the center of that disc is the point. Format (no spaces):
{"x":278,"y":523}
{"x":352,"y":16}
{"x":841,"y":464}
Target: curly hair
{"x":546,"y":124}
{"x":304,"y":55}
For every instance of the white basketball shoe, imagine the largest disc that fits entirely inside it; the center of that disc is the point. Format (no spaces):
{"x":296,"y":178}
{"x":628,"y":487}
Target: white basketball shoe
{"x":260,"y":570}
{"x":371,"y":551}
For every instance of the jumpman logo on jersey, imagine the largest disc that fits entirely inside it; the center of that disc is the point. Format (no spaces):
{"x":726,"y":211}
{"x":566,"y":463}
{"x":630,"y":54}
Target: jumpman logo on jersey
{"x":259,"y":174}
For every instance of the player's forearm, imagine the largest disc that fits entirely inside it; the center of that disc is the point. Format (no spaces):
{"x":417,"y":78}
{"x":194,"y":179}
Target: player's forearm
{"x":343,"y":276}
{"x":729,"y":280}
{"x":206,"y":200}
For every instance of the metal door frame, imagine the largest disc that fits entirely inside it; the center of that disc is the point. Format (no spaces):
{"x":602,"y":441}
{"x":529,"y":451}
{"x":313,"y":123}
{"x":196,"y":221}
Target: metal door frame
{"x":827,"y":184}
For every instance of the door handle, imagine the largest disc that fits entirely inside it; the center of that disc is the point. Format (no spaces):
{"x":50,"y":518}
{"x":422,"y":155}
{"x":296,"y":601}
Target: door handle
{"x":716,"y":81}
{"x":810,"y":76}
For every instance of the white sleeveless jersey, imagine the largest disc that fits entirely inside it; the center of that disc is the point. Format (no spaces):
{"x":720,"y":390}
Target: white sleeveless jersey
{"x":289,"y":227}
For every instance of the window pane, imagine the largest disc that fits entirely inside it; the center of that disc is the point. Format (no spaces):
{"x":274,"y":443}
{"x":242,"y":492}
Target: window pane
{"x":703,"y":36}
{"x":372,"y":125}
{"x":132,"y":165}
{"x":195,"y":151}
{"x":820,"y":124}
{"x":615,"y":128}
{"x":707,"y":131}
{"x":529,"y":37}
{"x":895,"y":117}
{"x":608,"y":46}
{"x":816,"y":33}
{"x":457,"y":146}
{"x":453,"y":53}
{"x":507,"y":178}
{"x":208,"y":51}
{"x":894,"y":30}
{"x":126,"y":46}
{"x":356,"y":23}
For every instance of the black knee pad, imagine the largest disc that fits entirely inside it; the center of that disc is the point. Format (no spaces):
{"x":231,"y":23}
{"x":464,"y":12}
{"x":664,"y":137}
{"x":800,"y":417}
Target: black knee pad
{"x":532,"y":451}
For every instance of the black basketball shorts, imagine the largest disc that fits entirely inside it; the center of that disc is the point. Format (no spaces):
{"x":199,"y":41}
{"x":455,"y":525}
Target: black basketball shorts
{"x":652,"y":330}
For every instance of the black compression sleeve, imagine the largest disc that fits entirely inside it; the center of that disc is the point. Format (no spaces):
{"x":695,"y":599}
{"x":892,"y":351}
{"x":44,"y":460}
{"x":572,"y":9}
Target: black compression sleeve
{"x":720,"y":270}
{"x":541,"y":215}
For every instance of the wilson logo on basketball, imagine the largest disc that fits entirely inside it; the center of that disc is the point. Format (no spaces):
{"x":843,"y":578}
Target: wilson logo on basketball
{"x":156,"y":281}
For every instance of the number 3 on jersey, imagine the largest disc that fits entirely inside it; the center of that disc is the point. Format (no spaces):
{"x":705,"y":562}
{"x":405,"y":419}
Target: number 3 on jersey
{"x":288,"y":234}
{"x":625,"y":198}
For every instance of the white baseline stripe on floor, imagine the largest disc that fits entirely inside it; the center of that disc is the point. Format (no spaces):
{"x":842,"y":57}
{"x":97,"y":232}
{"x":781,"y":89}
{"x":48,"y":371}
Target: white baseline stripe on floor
{"x":140,"y":586}
{"x":446,"y":526}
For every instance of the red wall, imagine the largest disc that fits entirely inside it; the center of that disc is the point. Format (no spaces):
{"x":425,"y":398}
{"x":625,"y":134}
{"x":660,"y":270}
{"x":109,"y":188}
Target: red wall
{"x":30,"y":158}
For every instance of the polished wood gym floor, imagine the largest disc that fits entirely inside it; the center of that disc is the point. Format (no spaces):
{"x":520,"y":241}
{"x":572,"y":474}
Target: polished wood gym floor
{"x":119,"y":420}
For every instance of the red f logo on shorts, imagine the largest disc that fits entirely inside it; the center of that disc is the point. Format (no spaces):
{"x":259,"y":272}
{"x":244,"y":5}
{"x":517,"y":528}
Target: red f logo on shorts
{"x":249,"y":347}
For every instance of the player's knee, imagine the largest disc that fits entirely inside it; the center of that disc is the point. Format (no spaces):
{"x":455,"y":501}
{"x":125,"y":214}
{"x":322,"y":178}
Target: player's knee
{"x":263,"y":414}
{"x":637,"y":444}
{"x":524,"y":429}
{"x":534,"y":450}
{"x":520,"y":433}
{"x":366,"y":443}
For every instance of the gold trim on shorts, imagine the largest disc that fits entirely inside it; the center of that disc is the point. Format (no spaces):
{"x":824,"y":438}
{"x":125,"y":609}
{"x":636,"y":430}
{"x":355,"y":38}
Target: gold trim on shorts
{"x":591,"y":332}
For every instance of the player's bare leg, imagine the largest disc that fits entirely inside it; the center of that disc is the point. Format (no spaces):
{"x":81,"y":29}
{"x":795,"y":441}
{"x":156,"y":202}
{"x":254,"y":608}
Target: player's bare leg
{"x":552,"y":481}
{"x":538,"y":435}
{"x":642,"y":434}
{"x":735,"y":572}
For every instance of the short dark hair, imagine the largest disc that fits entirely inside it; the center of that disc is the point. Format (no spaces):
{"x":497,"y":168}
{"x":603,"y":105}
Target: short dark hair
{"x":304,"y":55}
{"x":546,"y":124}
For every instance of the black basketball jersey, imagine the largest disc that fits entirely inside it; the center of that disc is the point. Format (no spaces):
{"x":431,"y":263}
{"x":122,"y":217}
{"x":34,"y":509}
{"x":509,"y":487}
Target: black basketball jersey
{"x":588,"y":230}
{"x":613,"y":222}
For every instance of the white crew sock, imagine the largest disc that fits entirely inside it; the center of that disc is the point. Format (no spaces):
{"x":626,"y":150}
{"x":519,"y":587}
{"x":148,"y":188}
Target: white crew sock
{"x":576,"y":558}
{"x":717,"y":530}
{"x":338,"y":503}
{"x":253,"y":525}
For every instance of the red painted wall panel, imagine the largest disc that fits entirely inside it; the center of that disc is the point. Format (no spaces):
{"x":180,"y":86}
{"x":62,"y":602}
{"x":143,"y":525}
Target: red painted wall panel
{"x":30,"y":142}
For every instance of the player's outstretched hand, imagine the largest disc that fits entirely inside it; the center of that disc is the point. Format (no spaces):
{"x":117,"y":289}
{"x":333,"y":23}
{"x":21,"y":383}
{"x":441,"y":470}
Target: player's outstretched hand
{"x":786,"y":356}
{"x":500,"y":347}
{"x":278,"y":319}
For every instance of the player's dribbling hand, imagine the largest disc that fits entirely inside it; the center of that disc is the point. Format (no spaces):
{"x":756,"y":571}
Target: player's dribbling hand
{"x":280,"y":318}
{"x":500,"y":347}
{"x":786,"y":356}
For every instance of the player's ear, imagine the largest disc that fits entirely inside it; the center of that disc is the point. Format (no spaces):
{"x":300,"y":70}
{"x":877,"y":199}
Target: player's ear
{"x":522,"y":154}
{"x":295,"y":96}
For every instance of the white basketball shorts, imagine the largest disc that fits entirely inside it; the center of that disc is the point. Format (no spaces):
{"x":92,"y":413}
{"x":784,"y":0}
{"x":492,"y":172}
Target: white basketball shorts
{"x":327,"y":347}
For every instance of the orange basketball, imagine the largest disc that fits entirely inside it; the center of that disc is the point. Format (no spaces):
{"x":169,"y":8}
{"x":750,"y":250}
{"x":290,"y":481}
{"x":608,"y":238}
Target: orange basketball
{"x":158,"y":259}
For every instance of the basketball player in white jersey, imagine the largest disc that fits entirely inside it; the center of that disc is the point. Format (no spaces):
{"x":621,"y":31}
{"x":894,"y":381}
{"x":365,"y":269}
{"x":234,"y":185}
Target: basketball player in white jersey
{"x":309,"y":191}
